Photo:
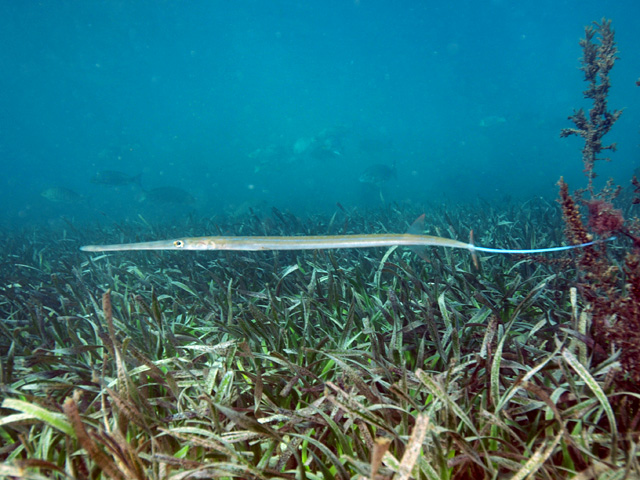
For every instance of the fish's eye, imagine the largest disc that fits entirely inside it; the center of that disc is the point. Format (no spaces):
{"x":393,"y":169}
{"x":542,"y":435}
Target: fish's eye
{"x":178,"y":243}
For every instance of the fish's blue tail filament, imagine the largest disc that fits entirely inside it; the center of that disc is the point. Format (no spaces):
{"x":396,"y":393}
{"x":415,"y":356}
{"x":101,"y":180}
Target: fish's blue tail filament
{"x":537,"y":250}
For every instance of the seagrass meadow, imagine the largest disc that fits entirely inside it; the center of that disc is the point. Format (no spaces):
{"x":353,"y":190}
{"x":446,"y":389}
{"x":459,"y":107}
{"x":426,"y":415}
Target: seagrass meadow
{"x":368,"y":363}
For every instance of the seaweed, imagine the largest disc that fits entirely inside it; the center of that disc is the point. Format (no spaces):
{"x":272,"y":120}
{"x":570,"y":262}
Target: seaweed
{"x":345,"y":364}
{"x":609,"y":286}
{"x":598,"y":58}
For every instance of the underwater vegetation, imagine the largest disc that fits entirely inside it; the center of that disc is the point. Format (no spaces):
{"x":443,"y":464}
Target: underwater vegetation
{"x":332,"y":364}
{"x":286,"y":365}
{"x":611,"y":287}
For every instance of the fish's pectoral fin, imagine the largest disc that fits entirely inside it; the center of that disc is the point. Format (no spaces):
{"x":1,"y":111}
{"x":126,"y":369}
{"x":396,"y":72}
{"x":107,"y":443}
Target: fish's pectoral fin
{"x":421,"y":252}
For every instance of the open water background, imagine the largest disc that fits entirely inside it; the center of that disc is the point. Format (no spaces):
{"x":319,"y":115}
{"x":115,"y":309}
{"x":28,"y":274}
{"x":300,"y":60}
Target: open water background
{"x":466,"y":98}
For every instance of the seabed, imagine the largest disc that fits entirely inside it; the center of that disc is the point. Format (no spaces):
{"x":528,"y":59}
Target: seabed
{"x":320,"y":364}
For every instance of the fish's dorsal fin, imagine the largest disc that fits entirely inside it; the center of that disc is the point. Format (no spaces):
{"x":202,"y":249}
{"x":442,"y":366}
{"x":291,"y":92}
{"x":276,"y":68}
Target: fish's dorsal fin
{"x":417,"y":227}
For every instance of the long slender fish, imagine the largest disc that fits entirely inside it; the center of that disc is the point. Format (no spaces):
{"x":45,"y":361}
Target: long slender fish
{"x":319,"y":242}
{"x":316,"y":242}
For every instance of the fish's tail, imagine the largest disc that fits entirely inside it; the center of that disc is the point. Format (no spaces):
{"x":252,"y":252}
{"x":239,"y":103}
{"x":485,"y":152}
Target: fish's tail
{"x":538,"y":250}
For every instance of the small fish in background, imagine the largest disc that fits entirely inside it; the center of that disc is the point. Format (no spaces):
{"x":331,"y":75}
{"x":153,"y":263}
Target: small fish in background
{"x":272,"y":158}
{"x":492,"y":121}
{"x":62,"y":195}
{"x":302,"y":145}
{"x":378,"y":174}
{"x":114,"y":178}
{"x":328,"y":144}
{"x":325,"y":151}
{"x":167,"y":195}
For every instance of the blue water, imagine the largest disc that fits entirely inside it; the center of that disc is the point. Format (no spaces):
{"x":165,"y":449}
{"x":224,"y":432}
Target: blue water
{"x":224,"y":98}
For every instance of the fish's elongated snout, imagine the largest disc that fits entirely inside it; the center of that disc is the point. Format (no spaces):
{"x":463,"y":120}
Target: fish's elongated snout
{"x":118,"y":247}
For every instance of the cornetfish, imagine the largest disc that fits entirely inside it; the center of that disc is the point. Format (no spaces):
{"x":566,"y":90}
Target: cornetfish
{"x":319,"y":242}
